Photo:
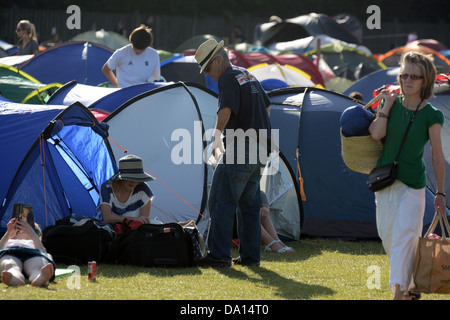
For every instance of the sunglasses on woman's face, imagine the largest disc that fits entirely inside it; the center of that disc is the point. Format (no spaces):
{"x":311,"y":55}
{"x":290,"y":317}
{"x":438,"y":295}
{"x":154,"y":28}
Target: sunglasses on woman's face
{"x":405,"y":76}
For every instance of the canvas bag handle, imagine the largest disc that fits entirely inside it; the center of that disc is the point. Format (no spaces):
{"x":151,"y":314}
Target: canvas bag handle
{"x":439,"y":217}
{"x":371,"y":102}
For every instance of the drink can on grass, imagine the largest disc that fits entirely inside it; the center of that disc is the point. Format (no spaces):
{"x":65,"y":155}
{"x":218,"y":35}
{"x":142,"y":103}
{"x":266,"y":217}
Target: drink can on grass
{"x":92,"y":271}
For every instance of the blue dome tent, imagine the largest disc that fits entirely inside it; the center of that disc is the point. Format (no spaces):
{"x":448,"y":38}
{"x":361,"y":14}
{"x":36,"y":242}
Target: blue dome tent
{"x":57,"y":158}
{"x":99,"y":98}
{"x":80,"y":61}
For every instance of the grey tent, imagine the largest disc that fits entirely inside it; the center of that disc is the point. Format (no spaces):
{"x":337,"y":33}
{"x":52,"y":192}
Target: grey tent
{"x":337,"y":201}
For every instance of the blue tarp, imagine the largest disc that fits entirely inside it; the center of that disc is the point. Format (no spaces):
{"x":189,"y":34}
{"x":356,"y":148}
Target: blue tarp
{"x":56,"y":161}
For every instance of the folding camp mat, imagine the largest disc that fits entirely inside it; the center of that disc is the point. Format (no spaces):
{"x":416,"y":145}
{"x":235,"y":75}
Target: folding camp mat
{"x":60,"y":272}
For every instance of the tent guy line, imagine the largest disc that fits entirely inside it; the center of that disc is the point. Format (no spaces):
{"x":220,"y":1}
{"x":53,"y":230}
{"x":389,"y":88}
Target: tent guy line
{"x":157,"y":178}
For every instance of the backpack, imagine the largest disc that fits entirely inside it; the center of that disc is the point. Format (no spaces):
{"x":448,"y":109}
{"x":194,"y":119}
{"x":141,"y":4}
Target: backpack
{"x":78,"y":240}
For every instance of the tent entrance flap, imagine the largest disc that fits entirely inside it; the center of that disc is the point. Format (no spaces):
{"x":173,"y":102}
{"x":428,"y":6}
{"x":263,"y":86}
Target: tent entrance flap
{"x":34,"y":184}
{"x":164,"y":127}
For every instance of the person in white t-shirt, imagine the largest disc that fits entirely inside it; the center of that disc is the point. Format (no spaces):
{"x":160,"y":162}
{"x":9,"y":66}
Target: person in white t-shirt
{"x":134,"y":63}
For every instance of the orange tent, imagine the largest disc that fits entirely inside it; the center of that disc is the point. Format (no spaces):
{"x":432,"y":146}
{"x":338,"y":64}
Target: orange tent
{"x":430,"y":43}
{"x":392,"y":57}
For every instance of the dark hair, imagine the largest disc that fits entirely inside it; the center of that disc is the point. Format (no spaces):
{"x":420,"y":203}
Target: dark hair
{"x":141,"y":37}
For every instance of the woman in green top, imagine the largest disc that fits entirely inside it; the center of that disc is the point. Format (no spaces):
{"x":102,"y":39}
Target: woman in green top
{"x":401,"y":207}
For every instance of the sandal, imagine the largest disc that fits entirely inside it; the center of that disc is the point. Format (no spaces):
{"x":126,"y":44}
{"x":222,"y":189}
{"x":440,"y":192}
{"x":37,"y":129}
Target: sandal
{"x":285,"y":249}
{"x":413,"y":295}
{"x":282,"y":250}
{"x":267,"y":248}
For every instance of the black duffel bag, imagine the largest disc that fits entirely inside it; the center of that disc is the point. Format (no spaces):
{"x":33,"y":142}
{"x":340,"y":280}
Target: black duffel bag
{"x":78,"y":240}
{"x":154,"y":245}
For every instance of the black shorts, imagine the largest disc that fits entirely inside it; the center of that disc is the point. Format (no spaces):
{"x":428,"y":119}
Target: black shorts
{"x":24,"y":254}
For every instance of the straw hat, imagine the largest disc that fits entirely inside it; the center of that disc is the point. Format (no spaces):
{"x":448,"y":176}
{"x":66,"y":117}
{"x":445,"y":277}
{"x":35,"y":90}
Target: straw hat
{"x":360,"y":153}
{"x":131,"y":168}
{"x":206,"y":51}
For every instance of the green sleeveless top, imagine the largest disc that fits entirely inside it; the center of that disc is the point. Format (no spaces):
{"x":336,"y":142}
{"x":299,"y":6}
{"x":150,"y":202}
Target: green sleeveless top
{"x":411,"y":164}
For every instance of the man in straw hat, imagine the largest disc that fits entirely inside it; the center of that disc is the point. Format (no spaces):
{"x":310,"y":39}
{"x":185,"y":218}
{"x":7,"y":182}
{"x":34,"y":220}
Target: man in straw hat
{"x":243,"y":107}
{"x":125,"y":194}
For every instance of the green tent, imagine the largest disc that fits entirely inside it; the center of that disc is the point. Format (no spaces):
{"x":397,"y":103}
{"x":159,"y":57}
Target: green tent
{"x":20,"y":87}
{"x":165,"y":55}
{"x":108,"y":39}
{"x":346,"y":61}
{"x":195,"y":42}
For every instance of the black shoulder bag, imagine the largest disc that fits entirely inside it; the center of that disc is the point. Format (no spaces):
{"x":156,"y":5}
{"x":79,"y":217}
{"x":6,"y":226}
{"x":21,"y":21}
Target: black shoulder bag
{"x":384,"y":176}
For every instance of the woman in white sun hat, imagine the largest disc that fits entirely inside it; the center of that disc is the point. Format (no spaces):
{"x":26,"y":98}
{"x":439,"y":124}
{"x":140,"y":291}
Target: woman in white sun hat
{"x":126,"y":194}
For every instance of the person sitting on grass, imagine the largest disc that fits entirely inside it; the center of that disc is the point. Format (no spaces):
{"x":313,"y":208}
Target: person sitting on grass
{"x":126,"y":194}
{"x":23,"y":256}
{"x":269,"y":236}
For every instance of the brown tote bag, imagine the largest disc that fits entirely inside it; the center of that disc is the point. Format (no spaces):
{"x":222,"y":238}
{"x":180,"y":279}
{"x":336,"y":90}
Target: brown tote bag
{"x":432,"y":262}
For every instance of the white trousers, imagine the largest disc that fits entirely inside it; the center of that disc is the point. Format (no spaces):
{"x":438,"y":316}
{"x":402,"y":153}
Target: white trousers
{"x":400,"y":211}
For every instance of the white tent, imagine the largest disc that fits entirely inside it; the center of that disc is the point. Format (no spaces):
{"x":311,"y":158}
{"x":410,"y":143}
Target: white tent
{"x":310,"y":43}
{"x":290,"y":75}
{"x":168,"y":128}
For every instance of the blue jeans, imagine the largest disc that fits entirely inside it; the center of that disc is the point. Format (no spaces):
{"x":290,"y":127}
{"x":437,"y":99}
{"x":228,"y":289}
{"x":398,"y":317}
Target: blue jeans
{"x":235,"y":189}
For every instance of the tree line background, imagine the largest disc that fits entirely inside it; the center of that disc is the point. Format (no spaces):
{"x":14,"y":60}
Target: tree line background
{"x":177,"y":20}
{"x":402,"y":10}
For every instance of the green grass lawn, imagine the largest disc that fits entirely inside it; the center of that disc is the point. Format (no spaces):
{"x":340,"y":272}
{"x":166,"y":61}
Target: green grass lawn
{"x":318,"y":270}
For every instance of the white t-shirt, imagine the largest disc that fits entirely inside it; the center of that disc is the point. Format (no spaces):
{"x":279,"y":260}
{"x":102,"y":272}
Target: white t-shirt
{"x":132,"y":68}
